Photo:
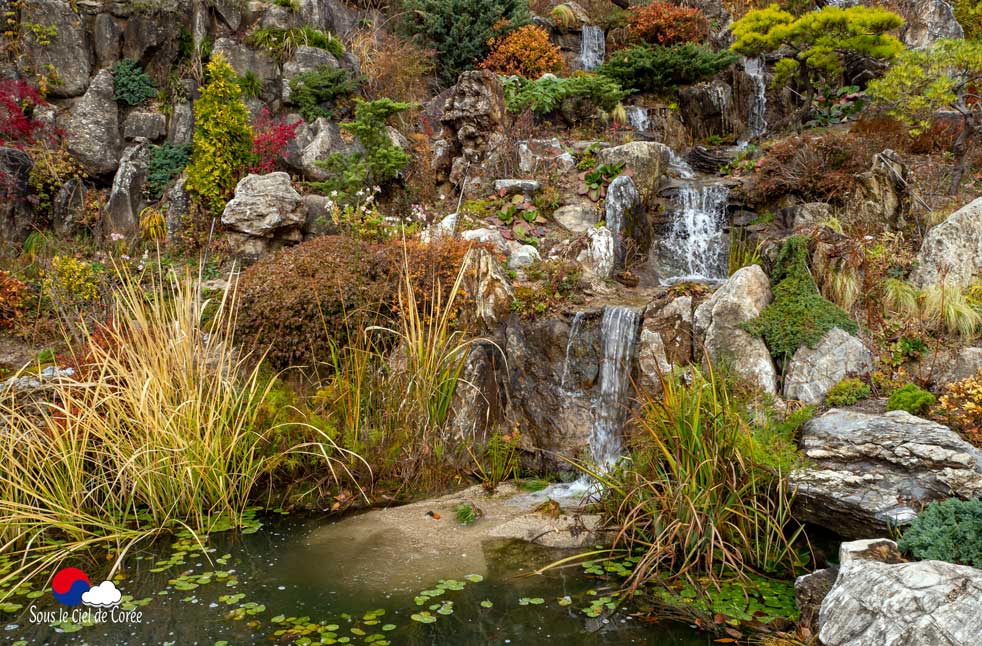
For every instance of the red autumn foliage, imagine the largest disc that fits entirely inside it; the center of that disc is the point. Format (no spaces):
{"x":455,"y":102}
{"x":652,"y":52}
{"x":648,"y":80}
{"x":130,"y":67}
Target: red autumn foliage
{"x":18,"y":127}
{"x":664,"y":23}
{"x":270,"y":138}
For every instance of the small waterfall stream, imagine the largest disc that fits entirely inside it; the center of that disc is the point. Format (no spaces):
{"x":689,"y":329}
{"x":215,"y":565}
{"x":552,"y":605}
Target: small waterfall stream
{"x":593,"y":47}
{"x":618,"y":334}
{"x":574,"y":332}
{"x":757,"y":114}
{"x":637,"y":117}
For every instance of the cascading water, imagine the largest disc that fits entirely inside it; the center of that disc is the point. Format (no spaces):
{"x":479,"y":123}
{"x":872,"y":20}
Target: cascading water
{"x":574,"y":332}
{"x":618,"y":333}
{"x":593,"y":47}
{"x":637,"y":117}
{"x":757,"y":114}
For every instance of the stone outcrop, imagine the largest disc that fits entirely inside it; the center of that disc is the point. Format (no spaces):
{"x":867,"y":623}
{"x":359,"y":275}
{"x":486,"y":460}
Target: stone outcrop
{"x":928,"y":21}
{"x":64,"y":51}
{"x":813,"y":371}
{"x":647,"y":159}
{"x":488,"y":285}
{"x":121,"y":214}
{"x":265,"y":213}
{"x":92,"y":127}
{"x":665,"y":341}
{"x":16,"y":216}
{"x":305,"y":59}
{"x":625,"y":217}
{"x":882,"y":193}
{"x":949,"y":366}
{"x":869,"y":472}
{"x":708,"y":110}
{"x":717,"y":322}
{"x":877,"y":600}
{"x":952,"y":251}
{"x":244,"y":59}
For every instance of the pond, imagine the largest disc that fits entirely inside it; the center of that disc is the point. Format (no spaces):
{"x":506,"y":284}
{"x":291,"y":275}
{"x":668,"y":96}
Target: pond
{"x":287,"y":583}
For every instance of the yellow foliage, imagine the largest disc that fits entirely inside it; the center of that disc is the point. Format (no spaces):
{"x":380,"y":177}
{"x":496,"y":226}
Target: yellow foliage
{"x":527,"y":52}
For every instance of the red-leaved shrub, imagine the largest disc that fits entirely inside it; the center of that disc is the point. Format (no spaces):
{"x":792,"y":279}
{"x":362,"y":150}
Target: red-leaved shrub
{"x":270,"y":138}
{"x":664,"y":23}
{"x":18,"y":127}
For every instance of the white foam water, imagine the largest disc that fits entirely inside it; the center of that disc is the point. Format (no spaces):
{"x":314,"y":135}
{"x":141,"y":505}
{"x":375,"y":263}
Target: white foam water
{"x":593,"y":47}
{"x":756,"y":70}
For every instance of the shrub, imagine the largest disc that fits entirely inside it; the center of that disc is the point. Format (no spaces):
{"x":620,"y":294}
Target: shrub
{"x":663,"y":23}
{"x":459,"y":30}
{"x":394,"y":66}
{"x":53,"y":167}
{"x":131,"y":84}
{"x":544,"y":96}
{"x":167,"y":161}
{"x":282,"y":43}
{"x":71,"y":280}
{"x":315,"y":93}
{"x":18,"y":100}
{"x":912,"y":399}
{"x":299,"y":301}
{"x":961,"y":407}
{"x":527,"y":52}
{"x":798,"y":315}
{"x":270,"y":138}
{"x":847,"y":392}
{"x":222,"y":138}
{"x":251,"y":85}
{"x":12,"y":293}
{"x":657,"y":69}
{"x":968,"y":13}
{"x":382,"y":160}
{"x":950,"y":530}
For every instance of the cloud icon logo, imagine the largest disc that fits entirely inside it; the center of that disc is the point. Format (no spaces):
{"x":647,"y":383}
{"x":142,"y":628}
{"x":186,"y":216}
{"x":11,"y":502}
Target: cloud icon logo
{"x":104,"y":595}
{"x":69,"y":585}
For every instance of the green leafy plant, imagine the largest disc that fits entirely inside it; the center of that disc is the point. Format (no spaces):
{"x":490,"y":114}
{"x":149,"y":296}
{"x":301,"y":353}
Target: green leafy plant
{"x":799,"y":314}
{"x":167,"y":161}
{"x":743,"y":251}
{"x":547,"y":95}
{"x":382,"y":160}
{"x":466,"y":513}
{"x":131,"y":84}
{"x":912,"y":399}
{"x":459,"y":30}
{"x":847,"y":392}
{"x":316,"y":93}
{"x":250,"y":84}
{"x":282,"y":43}
{"x":950,"y":530}
{"x":647,"y":68}
{"x":222,"y":138}
{"x":837,"y":105}
{"x":498,"y":461}
{"x":594,"y":183}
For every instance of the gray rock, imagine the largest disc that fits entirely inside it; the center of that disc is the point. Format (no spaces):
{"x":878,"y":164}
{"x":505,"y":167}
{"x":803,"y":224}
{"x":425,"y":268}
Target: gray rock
{"x":122,"y":211}
{"x":148,"y":125}
{"x":68,"y":210}
{"x":265,"y":206}
{"x":576,"y":218}
{"x":488,"y":285}
{"x":876,"y":603}
{"x":881,"y":194}
{"x":665,"y":341}
{"x":315,"y":142}
{"x":947,"y":367}
{"x":648,"y":160}
{"x":538,"y":156}
{"x":526,"y":187}
{"x":180,"y":129}
{"x":868,"y":472}
{"x":328,"y":15}
{"x":717,"y":321}
{"x":708,"y":109}
{"x":805,"y":215}
{"x":105,"y":39}
{"x":487,"y":236}
{"x":319,"y":216}
{"x":178,"y":210}
{"x":245,"y":59}
{"x":813,"y":371}
{"x":472,"y":118}
{"x":952,"y":250}
{"x":598,"y":257}
{"x":929,"y":21}
{"x":809,"y":592}
{"x":92,"y":127}
{"x":522,"y":256}
{"x":305,"y":59}
{"x":16,"y":215}
{"x":66,"y":52}
{"x":624,"y":215}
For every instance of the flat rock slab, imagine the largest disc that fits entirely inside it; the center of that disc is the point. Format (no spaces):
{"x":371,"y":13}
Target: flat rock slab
{"x":867,"y":472}
{"x":406,"y":548}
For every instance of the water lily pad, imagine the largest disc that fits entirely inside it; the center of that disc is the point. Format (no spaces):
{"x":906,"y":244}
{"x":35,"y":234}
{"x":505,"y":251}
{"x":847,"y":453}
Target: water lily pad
{"x":423,"y":617}
{"x":487,"y":604}
{"x":474,"y":578}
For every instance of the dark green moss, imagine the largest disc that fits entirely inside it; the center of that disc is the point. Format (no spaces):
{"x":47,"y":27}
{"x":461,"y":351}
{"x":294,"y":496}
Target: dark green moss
{"x":947,"y":531}
{"x":799,"y":314}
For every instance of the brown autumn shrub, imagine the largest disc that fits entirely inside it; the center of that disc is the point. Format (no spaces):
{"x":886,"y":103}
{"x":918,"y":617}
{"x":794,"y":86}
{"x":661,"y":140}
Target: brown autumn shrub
{"x":527,"y":52}
{"x":664,"y":23}
{"x":12,"y":295}
{"x":298,"y":301}
{"x":394,"y":66}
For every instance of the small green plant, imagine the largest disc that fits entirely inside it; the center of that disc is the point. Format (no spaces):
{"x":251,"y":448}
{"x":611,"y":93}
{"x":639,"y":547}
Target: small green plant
{"x":498,"y":460}
{"x":743,"y":251}
{"x":837,"y":105}
{"x":546,"y":95}
{"x":282,"y":43}
{"x":466,"y":513}
{"x":798,"y":315}
{"x":251,"y":85}
{"x":382,"y":160}
{"x":595,"y":182}
{"x":847,"y":392}
{"x":950,"y":530}
{"x":167,"y":161}
{"x":317,"y":92}
{"x":912,"y":399}
{"x":131,"y":84}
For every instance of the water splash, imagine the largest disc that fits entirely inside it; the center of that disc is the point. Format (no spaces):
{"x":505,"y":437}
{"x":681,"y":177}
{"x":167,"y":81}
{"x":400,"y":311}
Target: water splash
{"x":695,"y":248}
{"x":756,"y":70}
{"x":593,"y":47}
{"x":574,"y":332}
{"x":618,"y":333}
{"x":637,"y":117}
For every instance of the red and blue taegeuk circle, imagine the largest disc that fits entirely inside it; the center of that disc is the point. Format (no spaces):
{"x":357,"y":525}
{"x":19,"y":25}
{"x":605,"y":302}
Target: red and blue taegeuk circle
{"x":69,"y":585}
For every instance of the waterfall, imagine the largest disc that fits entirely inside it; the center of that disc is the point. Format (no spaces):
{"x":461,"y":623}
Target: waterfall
{"x":593,"y":47}
{"x":618,"y":333}
{"x":695,"y":247}
{"x":574,"y":332}
{"x":637,"y":116}
{"x":757,"y":115}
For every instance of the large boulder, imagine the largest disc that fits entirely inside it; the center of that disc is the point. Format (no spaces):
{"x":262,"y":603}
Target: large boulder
{"x":121,"y":214}
{"x":952,"y":251}
{"x":16,"y":216}
{"x":625,"y":217}
{"x":665,"y":341}
{"x":53,"y":38}
{"x":868,"y":472}
{"x":718,"y":322}
{"x":708,"y":110}
{"x":882,"y":194}
{"x":877,"y":600}
{"x":305,"y":59}
{"x":948,"y":366}
{"x":244,"y":59}
{"x":265,"y":213}
{"x":313,"y":143}
{"x":928,"y":21}
{"x":648,"y":160}
{"x":473,"y":120}
{"x":813,"y":371}
{"x":92,"y":127}
{"x":597,"y":257}
{"x":487,"y":283}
